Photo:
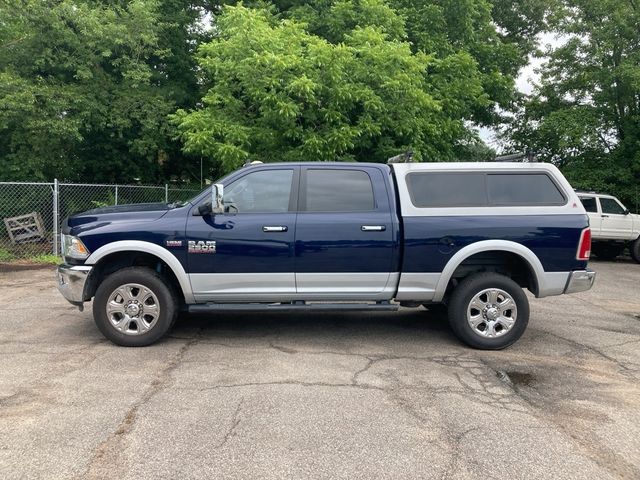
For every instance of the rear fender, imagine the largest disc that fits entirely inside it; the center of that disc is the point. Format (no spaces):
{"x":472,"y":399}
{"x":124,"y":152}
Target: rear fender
{"x":542,"y":282}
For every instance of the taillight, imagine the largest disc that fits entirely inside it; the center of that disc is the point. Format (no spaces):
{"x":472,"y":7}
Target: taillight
{"x":584,"y":247}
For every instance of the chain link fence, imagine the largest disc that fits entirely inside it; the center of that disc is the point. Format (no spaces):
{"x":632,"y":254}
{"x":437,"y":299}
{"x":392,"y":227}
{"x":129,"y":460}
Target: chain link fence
{"x":31,"y":213}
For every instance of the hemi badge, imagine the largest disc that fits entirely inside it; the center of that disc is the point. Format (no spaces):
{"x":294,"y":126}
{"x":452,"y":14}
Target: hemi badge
{"x":173,"y":243}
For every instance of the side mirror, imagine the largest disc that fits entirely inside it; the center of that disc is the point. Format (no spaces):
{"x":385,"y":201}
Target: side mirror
{"x":216,"y":204}
{"x":626,"y":211}
{"x":217,"y":194}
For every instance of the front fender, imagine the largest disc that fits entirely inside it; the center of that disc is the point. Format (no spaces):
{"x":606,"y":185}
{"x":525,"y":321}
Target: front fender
{"x":153,"y":249}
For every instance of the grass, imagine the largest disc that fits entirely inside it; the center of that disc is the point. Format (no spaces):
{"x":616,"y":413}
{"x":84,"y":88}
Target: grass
{"x":45,"y":259}
{"x":7,"y":256}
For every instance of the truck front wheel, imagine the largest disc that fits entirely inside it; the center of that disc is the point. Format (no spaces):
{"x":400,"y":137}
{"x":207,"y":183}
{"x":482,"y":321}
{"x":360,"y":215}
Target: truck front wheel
{"x":134,"y":307}
{"x":488,"y":311}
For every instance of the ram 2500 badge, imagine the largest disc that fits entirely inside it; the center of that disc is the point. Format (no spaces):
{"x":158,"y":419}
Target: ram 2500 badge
{"x":336,"y":236}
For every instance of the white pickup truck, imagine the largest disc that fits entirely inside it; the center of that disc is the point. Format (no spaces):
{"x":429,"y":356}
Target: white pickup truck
{"x":613,"y":227}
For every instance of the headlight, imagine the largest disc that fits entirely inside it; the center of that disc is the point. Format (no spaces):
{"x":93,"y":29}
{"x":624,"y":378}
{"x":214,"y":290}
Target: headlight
{"x":73,"y":247}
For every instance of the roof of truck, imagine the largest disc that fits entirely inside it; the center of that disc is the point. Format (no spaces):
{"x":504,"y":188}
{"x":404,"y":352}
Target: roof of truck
{"x":474,"y":166}
{"x":412,"y":166}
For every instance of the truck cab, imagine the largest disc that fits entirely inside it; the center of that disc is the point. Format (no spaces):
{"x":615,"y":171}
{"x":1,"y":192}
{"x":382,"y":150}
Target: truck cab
{"x":336,"y":236}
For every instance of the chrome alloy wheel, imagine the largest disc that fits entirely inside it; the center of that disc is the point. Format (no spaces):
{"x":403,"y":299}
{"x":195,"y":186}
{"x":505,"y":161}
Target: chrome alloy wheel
{"x":133,"y":309}
{"x":492,"y":313}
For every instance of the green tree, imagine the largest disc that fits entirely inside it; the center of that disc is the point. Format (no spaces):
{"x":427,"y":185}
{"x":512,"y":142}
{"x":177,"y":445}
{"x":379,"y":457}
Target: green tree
{"x":492,"y":38}
{"x":336,"y":80}
{"x":474,"y":50}
{"x":280,"y":93}
{"x":86,"y":87}
{"x":585,"y":114}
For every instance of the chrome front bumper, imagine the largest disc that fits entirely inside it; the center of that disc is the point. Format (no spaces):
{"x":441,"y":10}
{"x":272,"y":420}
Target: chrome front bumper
{"x":71,"y":281}
{"x":580,"y":280}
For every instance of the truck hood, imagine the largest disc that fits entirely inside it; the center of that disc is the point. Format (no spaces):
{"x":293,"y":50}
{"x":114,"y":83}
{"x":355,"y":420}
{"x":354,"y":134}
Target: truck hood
{"x":141,"y":212}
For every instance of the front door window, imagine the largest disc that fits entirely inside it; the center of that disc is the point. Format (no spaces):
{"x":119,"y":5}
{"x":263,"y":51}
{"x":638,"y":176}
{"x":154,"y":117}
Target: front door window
{"x":611,"y":207}
{"x":267,"y":191}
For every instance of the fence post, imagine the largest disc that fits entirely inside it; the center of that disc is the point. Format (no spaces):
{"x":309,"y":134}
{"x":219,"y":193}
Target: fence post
{"x":56,"y":225}
{"x":166,"y":193}
{"x":116,"y":194}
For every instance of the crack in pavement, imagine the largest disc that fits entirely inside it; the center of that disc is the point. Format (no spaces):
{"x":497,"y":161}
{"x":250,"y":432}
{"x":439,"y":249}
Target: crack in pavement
{"x":627,"y":371}
{"x":455,"y":446}
{"x":291,"y":382}
{"x":555,"y":414}
{"x":582,"y":300}
{"x":291,"y":351}
{"x":484,"y":381}
{"x":623,"y":343}
{"x":368,"y":365}
{"x":106,"y":461}
{"x":62,"y":364}
{"x":235,"y":421}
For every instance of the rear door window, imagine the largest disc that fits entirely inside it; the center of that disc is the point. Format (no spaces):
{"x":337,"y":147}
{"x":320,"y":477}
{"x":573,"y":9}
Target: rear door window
{"x":338,"y":190}
{"x":589,"y":204}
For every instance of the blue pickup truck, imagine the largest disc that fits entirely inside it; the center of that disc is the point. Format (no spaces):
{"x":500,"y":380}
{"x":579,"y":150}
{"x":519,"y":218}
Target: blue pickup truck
{"x":336,"y":236}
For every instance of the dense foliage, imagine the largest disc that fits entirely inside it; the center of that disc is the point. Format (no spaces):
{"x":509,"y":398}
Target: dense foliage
{"x":585,"y":114}
{"x":345,"y":79}
{"x":89,"y":89}
{"x":86,"y":87}
{"x":280,"y":93}
{"x":146,"y":90}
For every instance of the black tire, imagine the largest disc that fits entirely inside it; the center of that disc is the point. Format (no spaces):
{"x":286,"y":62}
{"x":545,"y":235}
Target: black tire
{"x":606,"y":252}
{"x":162,"y":297}
{"x":460,"y":301}
{"x":634,"y":249}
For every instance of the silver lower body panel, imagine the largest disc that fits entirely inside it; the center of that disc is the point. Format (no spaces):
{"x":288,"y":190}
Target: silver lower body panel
{"x":426,"y":287}
{"x":286,"y":287}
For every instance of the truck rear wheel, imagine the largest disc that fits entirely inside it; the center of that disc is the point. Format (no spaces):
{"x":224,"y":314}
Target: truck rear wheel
{"x":488,"y":311}
{"x":134,"y":307}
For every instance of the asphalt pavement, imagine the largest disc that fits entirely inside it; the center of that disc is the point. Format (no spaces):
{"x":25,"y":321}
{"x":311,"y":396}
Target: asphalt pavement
{"x":339,"y":396}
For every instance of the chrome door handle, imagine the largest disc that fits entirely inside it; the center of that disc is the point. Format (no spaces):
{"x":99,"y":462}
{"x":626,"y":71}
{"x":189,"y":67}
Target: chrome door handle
{"x":373,"y":228}
{"x":279,"y":228}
